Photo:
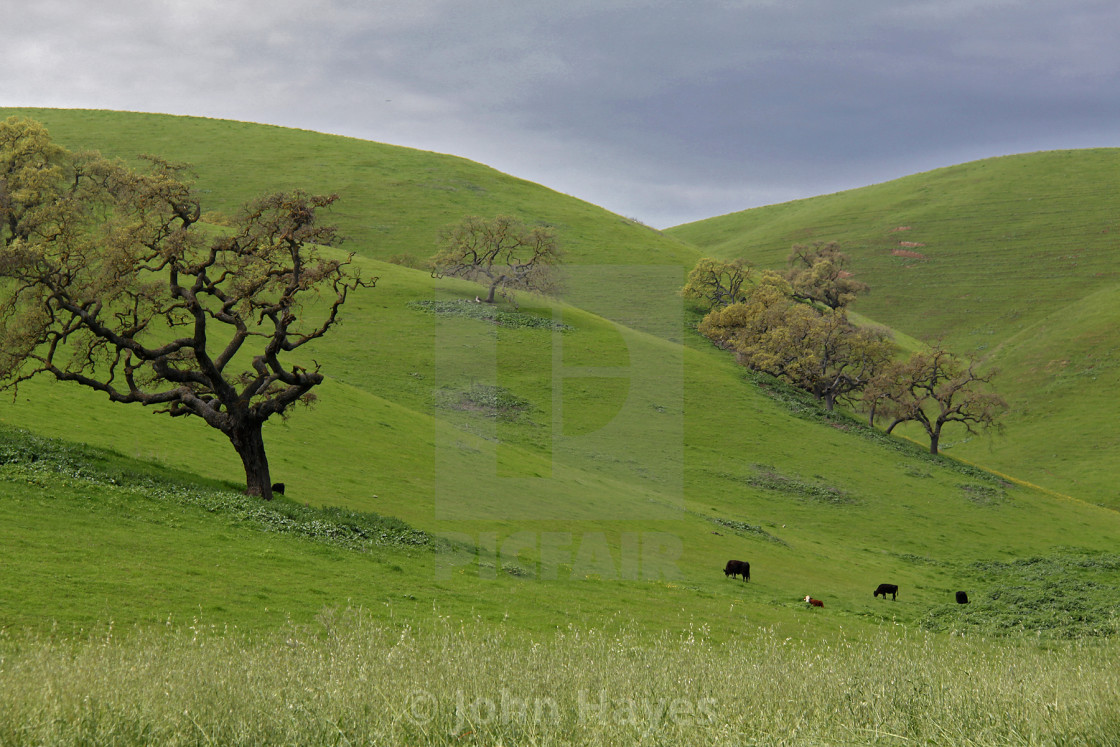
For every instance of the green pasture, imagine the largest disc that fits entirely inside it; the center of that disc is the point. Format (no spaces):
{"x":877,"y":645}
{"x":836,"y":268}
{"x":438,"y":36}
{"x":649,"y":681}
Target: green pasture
{"x":1062,"y":372}
{"x":554,"y":487}
{"x":627,"y":502}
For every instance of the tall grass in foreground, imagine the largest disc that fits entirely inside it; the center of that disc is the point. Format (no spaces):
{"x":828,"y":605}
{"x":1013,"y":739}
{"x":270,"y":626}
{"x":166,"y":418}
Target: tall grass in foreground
{"x":351,"y":681}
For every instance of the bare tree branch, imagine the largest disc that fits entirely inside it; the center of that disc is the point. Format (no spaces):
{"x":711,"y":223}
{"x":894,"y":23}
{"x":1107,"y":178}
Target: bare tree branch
{"x":934,"y":388}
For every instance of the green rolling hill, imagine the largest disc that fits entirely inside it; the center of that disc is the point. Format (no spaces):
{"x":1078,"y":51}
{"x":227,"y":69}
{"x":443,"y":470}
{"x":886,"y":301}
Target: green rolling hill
{"x":625,"y":460}
{"x":1013,"y":259}
{"x":395,"y":200}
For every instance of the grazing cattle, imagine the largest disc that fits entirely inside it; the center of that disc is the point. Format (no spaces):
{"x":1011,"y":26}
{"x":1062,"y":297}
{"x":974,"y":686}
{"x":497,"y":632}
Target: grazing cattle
{"x":738,"y":568}
{"x":814,"y":602}
{"x":278,"y":487}
{"x":962,"y":598}
{"x":885,"y":589}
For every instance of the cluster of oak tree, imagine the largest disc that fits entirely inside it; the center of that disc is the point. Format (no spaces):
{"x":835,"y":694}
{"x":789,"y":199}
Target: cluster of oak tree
{"x":794,"y":326}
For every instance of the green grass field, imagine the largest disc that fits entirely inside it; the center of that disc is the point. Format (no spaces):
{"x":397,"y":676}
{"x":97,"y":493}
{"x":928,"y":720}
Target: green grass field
{"x":579,"y":466}
{"x":345,"y":679}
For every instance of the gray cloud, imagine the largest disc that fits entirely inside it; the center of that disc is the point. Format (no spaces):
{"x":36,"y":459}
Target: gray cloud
{"x":663,"y":110}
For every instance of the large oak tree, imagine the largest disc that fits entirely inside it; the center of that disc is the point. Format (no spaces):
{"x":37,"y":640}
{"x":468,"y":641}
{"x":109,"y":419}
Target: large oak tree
{"x":109,"y":279}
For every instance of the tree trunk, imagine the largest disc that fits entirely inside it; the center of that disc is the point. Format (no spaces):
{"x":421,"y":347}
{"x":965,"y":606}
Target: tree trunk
{"x":934,"y":437}
{"x":249,"y":443}
{"x":490,"y":298}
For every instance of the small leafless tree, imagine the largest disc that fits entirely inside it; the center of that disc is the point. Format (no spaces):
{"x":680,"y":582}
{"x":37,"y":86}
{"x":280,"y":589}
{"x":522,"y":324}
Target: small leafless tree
{"x":502,"y":253}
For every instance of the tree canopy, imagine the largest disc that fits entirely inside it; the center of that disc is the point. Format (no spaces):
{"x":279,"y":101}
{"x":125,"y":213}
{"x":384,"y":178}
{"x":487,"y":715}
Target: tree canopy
{"x":822,"y":353}
{"x":818,"y":273}
{"x":501,"y":253}
{"x":109,"y":279}
{"x":717,"y":282}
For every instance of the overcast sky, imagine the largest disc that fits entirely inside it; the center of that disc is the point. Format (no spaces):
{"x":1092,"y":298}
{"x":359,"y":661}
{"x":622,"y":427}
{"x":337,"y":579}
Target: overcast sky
{"x":662,"y":110}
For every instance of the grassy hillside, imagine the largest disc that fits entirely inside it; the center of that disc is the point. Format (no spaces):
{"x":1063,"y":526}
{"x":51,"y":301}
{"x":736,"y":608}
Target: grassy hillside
{"x":394,"y":200}
{"x":578,"y":467}
{"x":1013,"y":258}
{"x":1062,"y":373}
{"x":579,"y":526}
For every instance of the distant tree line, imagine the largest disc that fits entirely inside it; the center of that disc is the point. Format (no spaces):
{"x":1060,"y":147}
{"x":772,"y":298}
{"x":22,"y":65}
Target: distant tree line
{"x":794,"y":326}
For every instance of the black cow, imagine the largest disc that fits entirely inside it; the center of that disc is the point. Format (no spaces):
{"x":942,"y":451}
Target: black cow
{"x":885,"y":589}
{"x":962,"y":598}
{"x":278,"y":487}
{"x":738,"y":568}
